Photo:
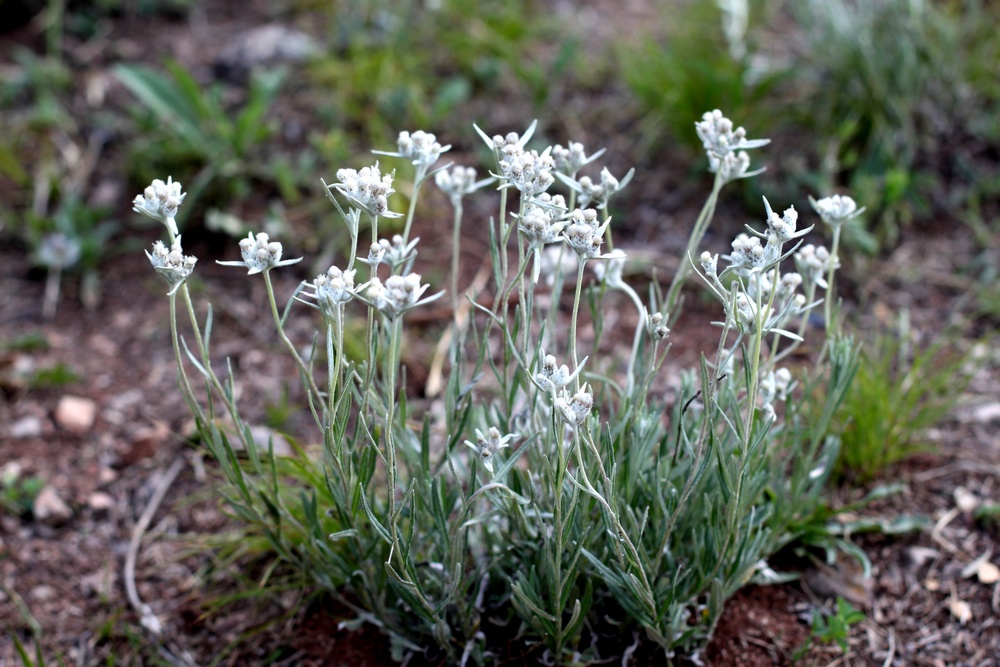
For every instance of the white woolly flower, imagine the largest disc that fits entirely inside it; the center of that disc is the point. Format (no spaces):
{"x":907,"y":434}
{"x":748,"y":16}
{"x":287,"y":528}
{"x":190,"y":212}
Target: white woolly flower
{"x":333,"y":289}
{"x":528,"y":171}
{"x":260,"y":254}
{"x":814,"y":263}
{"x":584,"y":234}
{"x":422,"y":148}
{"x":747,"y":255}
{"x":459,"y":181}
{"x":656,"y":325}
{"x":368,"y":189}
{"x":552,"y":376}
{"x":597,"y":194}
{"x":397,"y":251}
{"x":172,"y":264}
{"x":836,"y":210}
{"x":58,"y":251}
{"x":160,"y":201}
{"x":709,"y":263}
{"x":488,"y":444}
{"x":576,"y":408}
{"x":573,"y":157}
{"x":610,"y":271}
{"x":726,"y":146}
{"x":398,"y":294}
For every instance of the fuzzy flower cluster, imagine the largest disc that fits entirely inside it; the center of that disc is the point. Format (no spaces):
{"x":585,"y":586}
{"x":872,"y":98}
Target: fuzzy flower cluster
{"x":585,"y":234}
{"x":573,"y":157}
{"x":397,"y":250}
{"x":599,"y":193}
{"x":576,"y":408}
{"x":459,"y":182}
{"x":726,"y":146}
{"x":542,"y":223}
{"x":398,"y":294}
{"x":814,"y":263}
{"x":774,"y":387}
{"x":260,"y":254}
{"x":160,"y":201}
{"x":422,"y":148}
{"x":656,"y":325}
{"x":172,"y":264}
{"x":59,"y":251}
{"x":333,"y":289}
{"x":552,"y":376}
{"x":368,"y":189}
{"x":488,"y":444}
{"x":836,"y":210}
{"x":528,"y":171}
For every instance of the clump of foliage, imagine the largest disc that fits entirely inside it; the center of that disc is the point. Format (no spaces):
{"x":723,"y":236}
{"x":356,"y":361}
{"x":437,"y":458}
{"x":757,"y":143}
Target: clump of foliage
{"x":901,"y":389}
{"x":552,"y":484}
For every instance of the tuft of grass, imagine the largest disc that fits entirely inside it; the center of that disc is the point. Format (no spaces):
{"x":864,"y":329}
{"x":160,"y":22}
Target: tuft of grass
{"x":900,"y":391}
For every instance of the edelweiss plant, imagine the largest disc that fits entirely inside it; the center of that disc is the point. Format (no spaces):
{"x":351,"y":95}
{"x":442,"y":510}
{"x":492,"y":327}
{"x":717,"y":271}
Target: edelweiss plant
{"x":583,"y":494}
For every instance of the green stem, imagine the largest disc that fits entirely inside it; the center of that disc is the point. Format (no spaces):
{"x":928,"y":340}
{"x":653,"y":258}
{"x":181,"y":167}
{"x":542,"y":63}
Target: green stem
{"x":303,"y":368}
{"x":697,"y":234}
{"x":572,"y":325}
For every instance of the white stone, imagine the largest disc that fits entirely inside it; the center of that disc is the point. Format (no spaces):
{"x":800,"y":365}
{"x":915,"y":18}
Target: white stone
{"x":99,"y":501}
{"x":49,"y":508}
{"x":76,"y":414}
{"x":26,"y":427}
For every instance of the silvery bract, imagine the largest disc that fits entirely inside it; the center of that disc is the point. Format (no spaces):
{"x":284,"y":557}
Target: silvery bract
{"x":160,"y":201}
{"x":260,"y":254}
{"x":172,"y":264}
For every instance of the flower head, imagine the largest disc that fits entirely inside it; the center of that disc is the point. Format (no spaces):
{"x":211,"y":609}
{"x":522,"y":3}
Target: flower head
{"x":836,"y":210}
{"x":459,"y":181}
{"x":422,"y":148}
{"x":488,"y":444}
{"x":368,"y":189}
{"x":260,"y":254}
{"x":333,"y":289}
{"x":172,"y":264}
{"x":398,"y":294}
{"x":598,"y":194}
{"x":813,"y":263}
{"x":58,"y":251}
{"x":160,"y":201}
{"x":584,"y":234}
{"x":656,"y":325}
{"x":726,"y":146}
{"x":572,"y":158}
{"x":528,"y":171}
{"x":397,"y":251}
{"x":552,"y":376}
{"x":576,"y":408}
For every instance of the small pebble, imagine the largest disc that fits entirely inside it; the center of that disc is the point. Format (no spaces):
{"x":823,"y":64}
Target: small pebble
{"x":26,"y":427}
{"x":50,"y":509}
{"x":100,"y":502}
{"x":76,"y":414}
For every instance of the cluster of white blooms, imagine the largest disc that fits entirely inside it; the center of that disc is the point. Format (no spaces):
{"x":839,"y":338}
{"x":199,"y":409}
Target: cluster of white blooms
{"x":541,"y":224}
{"x":576,"y":408}
{"x":528,"y":171}
{"x":774,"y":386}
{"x":814,"y":262}
{"x":552,"y":376}
{"x":726,"y":146}
{"x":160,"y":201}
{"x":420,"y":147}
{"x":585,"y":234}
{"x":458,"y":182}
{"x":58,"y":251}
{"x":656,"y":325}
{"x":172,"y":264}
{"x":610,"y":271}
{"x":260,"y":254}
{"x":397,"y":251}
{"x":488,"y":444}
{"x":573,"y":157}
{"x":333,"y":289}
{"x":598,"y":193}
{"x":836,"y":210}
{"x":368,"y":189}
{"x":398,"y":294}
